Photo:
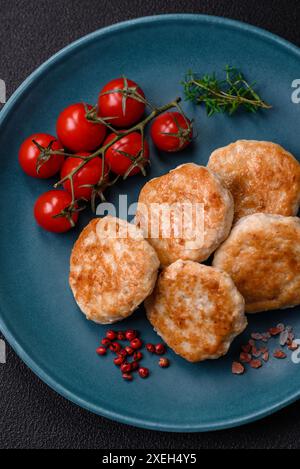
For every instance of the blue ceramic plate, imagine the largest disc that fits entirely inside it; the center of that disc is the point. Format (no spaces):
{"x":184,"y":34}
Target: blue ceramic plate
{"x":38,"y":315}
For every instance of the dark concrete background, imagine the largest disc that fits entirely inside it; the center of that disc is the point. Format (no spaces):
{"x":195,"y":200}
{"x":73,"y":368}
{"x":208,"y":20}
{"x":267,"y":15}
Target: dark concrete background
{"x":31,"y":414}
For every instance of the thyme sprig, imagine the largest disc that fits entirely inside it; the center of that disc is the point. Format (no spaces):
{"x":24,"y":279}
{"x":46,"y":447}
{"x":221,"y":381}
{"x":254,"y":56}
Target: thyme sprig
{"x":223,"y":96}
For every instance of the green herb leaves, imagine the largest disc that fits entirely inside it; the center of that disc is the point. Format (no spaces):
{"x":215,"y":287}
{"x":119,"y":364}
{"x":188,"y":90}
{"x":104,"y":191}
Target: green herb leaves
{"x":223,"y":96}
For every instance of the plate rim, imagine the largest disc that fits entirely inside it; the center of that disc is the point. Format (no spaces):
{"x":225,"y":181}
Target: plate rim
{"x":15,"y":343}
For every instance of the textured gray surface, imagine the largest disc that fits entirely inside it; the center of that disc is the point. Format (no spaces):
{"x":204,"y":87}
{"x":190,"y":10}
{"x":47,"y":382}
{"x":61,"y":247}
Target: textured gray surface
{"x":31,"y":414}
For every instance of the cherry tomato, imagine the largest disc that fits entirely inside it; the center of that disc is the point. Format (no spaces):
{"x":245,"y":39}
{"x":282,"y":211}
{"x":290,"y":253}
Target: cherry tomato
{"x":171,"y":131}
{"x":124,"y":108}
{"x":89,"y":174}
{"x":32,"y":157}
{"x":52,"y":203}
{"x":131,"y":145}
{"x":75,"y":132}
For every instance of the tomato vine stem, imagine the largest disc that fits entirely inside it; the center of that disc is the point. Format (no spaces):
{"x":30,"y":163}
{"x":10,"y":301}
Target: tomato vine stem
{"x":140,"y":127}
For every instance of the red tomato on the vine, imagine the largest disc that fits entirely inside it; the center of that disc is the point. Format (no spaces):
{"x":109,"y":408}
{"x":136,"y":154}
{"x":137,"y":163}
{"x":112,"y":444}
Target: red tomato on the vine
{"x":38,"y":162}
{"x":90,"y":174}
{"x":126,"y":153}
{"x":171,"y":131}
{"x":121,"y":102}
{"x":53,"y":203}
{"x":77,"y":133}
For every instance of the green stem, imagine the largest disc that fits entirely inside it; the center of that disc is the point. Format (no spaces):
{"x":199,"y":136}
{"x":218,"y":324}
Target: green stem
{"x":227,"y":97}
{"x":101,"y":151}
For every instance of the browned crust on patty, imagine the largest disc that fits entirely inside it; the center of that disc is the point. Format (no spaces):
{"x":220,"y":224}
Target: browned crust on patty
{"x":262,"y":177}
{"x":110,"y":277}
{"x":196,"y":309}
{"x":262,"y":255}
{"x":188,"y":183}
